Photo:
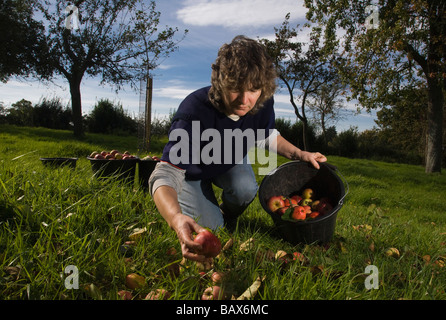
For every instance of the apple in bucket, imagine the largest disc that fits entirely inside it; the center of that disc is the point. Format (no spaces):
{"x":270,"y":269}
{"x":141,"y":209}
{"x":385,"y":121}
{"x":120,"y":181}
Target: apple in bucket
{"x":275,"y":203}
{"x":299,"y":207}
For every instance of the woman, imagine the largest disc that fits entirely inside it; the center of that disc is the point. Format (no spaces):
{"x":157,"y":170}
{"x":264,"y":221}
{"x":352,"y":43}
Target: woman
{"x":239,"y":105}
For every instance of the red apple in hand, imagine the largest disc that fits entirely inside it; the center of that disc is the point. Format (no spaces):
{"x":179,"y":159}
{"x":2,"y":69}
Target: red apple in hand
{"x":275,"y":203}
{"x":211,"y":245}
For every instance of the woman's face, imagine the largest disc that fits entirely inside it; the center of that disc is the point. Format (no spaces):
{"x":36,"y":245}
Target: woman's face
{"x":241,"y":102}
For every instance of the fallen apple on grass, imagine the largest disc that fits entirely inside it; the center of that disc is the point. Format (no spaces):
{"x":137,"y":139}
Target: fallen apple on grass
{"x":213,"y":293}
{"x":134,"y":281}
{"x":158,"y":294}
{"x":297,"y":256}
{"x":211,"y":245}
{"x":125,"y":295}
{"x":217,"y":277}
{"x":393,"y":252}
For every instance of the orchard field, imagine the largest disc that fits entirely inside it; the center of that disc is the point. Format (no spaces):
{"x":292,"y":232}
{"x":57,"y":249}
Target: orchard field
{"x":54,"y":221}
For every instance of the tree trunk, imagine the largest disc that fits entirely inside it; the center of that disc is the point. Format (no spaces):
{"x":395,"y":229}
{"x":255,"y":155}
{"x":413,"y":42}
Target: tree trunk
{"x":305,"y":122}
{"x":76,"y":107}
{"x":305,"y":134}
{"x":434,"y":138}
{"x":148,"y":113}
{"x":324,"y":130}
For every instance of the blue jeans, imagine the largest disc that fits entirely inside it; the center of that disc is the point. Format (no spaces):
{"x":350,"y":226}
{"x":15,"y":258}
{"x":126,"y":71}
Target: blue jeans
{"x":197,"y":198}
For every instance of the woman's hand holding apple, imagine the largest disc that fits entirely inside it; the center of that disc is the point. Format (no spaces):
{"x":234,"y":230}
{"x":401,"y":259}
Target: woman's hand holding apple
{"x":185,"y":226}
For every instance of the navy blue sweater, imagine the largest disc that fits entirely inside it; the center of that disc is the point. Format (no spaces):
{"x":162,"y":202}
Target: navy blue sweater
{"x":225,"y":142}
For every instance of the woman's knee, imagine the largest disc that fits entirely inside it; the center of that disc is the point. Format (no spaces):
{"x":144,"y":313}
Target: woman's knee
{"x":198,"y":201}
{"x":242,"y":192}
{"x":211,"y":218}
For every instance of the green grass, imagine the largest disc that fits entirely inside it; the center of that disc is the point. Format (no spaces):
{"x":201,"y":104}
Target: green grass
{"x":54,"y":218}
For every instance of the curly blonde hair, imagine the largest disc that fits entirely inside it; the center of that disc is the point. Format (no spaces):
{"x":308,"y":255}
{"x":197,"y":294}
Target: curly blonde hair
{"x":242,"y":65}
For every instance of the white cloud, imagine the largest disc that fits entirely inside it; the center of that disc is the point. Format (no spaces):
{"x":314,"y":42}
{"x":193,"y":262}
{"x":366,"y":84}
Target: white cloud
{"x":30,"y":90}
{"x":172,"y":92}
{"x":237,"y":13}
{"x":282,"y":98}
{"x":283,"y":110}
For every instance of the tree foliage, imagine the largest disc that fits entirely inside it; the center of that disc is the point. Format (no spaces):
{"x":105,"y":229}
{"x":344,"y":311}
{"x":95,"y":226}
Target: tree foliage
{"x":328,"y":106}
{"x":52,"y":113}
{"x":302,"y":71}
{"x":108,"y":118}
{"x":21,"y":113}
{"x":47,"y":113}
{"x":117,"y":40}
{"x":22,"y":52}
{"x":405,"y":48}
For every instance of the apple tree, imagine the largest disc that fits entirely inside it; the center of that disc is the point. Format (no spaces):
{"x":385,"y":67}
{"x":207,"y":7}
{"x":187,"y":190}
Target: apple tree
{"x":390,"y":46}
{"x":302,"y":71}
{"x":118,"y":41}
{"x":403,"y":122}
{"x":22,"y":52}
{"x":328,"y":106}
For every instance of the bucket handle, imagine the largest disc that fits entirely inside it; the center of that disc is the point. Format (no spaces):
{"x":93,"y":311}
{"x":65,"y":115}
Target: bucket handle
{"x":334,"y":168}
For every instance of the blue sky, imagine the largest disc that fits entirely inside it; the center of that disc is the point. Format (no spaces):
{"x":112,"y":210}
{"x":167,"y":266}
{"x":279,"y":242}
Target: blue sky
{"x":211,"y":23}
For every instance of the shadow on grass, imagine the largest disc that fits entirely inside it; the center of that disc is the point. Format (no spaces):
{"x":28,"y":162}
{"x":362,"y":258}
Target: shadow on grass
{"x":256,"y":226}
